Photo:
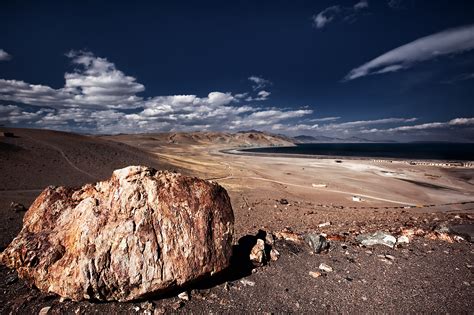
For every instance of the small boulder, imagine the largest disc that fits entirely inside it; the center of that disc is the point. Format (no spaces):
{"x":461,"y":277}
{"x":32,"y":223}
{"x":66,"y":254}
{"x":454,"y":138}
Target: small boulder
{"x":377,"y":238}
{"x":317,"y":242}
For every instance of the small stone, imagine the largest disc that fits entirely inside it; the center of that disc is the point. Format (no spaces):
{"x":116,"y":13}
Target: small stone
{"x":246,"y":282}
{"x":17,"y":207}
{"x":184,"y":296}
{"x":376,"y":238}
{"x":44,"y":310}
{"x":390,"y":257}
{"x":274,"y":254}
{"x":403,"y":239}
{"x":325,"y":267}
{"x":283,"y":201}
{"x":147,"y":306}
{"x":269,"y":239}
{"x":257,"y":254}
{"x":317,"y":242}
{"x":315,"y":274}
{"x":324,"y":224}
{"x":364,"y":298}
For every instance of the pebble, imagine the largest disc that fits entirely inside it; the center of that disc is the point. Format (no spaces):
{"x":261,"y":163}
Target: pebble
{"x":184,"y":296}
{"x":315,"y":274}
{"x":44,"y":310}
{"x":274,"y":254}
{"x":324,"y":224}
{"x":325,"y":267}
{"x":246,"y":282}
{"x":390,"y":257}
{"x":403,"y":239}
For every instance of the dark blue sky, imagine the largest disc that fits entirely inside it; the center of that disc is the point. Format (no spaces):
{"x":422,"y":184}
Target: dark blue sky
{"x":304,"y":51}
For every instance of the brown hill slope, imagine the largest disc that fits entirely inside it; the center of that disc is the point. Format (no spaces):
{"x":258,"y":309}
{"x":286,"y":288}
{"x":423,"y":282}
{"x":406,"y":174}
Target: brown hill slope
{"x":35,"y":158}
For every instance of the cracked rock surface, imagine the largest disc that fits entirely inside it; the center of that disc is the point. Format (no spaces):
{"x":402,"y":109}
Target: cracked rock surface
{"x":140,"y":232}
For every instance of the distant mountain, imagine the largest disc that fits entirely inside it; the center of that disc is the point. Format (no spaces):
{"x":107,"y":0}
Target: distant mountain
{"x":315,"y":139}
{"x":325,"y":139}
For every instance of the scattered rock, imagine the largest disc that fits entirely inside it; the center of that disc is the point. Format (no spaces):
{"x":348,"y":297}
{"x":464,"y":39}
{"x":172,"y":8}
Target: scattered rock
{"x":377,"y":238}
{"x":325,"y":267}
{"x":390,"y":257}
{"x":44,"y":310}
{"x":246,"y":282}
{"x":403,"y":240}
{"x":324,"y":224}
{"x":17,"y":207}
{"x":317,"y":242}
{"x":288,"y":235}
{"x":283,"y":201}
{"x":147,"y":306}
{"x":315,"y":274}
{"x":269,"y":239}
{"x":118,"y":239}
{"x":257,"y":254}
{"x":274,"y":254}
{"x":437,"y":236}
{"x":184,"y":296}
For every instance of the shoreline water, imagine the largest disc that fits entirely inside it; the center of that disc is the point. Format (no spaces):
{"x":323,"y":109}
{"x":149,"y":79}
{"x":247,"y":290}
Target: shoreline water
{"x":381,"y":159}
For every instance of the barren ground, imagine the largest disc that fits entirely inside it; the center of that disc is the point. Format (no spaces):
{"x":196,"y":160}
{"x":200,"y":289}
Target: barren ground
{"x":429,"y":276}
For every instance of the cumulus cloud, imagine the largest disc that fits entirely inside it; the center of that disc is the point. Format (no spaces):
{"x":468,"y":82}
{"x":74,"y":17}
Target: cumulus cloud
{"x":451,"y":41}
{"x":4,"y":56}
{"x":96,"y":83}
{"x":348,"y":14}
{"x":99,"y":98}
{"x":259,"y":82}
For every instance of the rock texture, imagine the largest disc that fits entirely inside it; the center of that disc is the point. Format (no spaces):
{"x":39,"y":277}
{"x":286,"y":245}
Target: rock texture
{"x":140,"y":232}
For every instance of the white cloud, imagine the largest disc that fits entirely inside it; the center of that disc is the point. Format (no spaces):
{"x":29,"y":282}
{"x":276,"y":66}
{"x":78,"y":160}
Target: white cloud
{"x":347,"y":14}
{"x":324,"y":17}
{"x":261,"y":96}
{"x":97,"y":97}
{"x":457,"y":122}
{"x":324,"y":119}
{"x":362,"y":123}
{"x":461,"y":121}
{"x":447,"y":42}
{"x":96,"y":84}
{"x":4,"y":56}
{"x":361,"y":5}
{"x":259,"y":82}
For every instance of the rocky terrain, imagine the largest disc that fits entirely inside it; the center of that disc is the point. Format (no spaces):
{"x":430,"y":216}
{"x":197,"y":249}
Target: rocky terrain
{"x":321,"y":258}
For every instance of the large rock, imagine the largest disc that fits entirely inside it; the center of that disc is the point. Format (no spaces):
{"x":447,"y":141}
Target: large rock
{"x":140,"y":232}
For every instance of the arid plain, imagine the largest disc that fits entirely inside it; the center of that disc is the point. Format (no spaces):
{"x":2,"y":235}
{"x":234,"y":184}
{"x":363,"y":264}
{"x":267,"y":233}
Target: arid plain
{"x":336,"y":196}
